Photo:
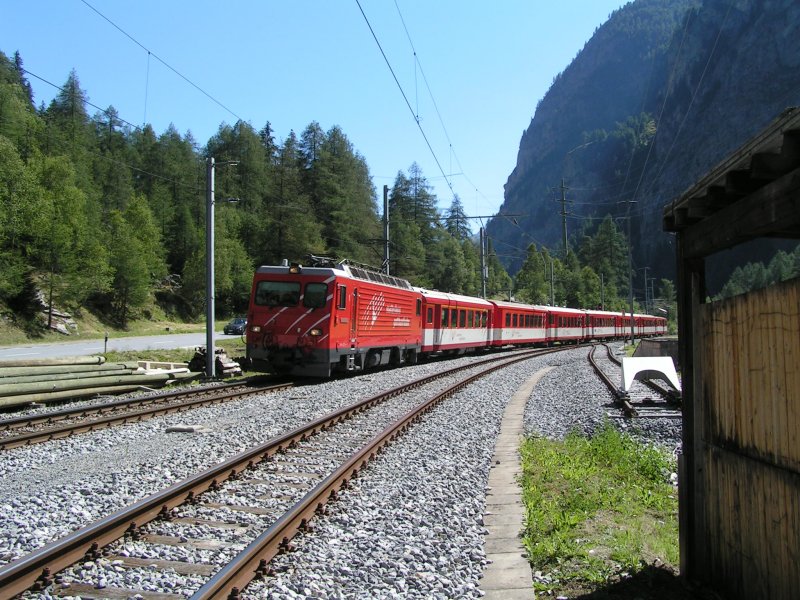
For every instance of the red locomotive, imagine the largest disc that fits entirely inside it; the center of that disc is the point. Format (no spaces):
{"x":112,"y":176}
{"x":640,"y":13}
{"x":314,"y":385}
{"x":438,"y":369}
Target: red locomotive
{"x":333,"y":317}
{"x":338,"y":317}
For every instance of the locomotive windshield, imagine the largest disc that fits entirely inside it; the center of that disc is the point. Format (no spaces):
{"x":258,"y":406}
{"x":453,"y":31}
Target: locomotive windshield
{"x":315,"y":296}
{"x":277,"y":293}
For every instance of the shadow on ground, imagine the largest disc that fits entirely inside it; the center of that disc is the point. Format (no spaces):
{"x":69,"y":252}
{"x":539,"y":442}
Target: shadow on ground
{"x":652,"y":583}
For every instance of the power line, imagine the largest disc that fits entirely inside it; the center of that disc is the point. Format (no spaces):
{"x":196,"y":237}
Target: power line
{"x":121,"y":120}
{"x":689,"y":108}
{"x":436,"y":108}
{"x":162,"y":61}
{"x":85,"y":101}
{"x":402,"y":92}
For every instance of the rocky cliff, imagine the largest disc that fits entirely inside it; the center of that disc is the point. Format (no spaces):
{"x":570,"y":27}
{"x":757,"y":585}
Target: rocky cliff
{"x":663,"y":91}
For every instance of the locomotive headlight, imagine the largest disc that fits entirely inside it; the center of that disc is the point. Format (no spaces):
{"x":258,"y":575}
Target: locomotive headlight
{"x":294,"y":268}
{"x":316,"y":332}
{"x":255,"y":328}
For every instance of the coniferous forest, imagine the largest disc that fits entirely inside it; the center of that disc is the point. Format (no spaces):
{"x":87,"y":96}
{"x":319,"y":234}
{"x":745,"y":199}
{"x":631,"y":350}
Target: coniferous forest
{"x":99,"y":215}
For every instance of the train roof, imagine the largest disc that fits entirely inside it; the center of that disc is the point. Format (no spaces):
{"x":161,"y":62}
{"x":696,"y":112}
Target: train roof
{"x":608,"y":313}
{"x":340,"y":270}
{"x":518,"y":305}
{"x":563,"y":309}
{"x":456,"y":297}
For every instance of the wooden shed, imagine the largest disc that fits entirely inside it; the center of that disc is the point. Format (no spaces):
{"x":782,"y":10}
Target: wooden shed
{"x":740,"y":359}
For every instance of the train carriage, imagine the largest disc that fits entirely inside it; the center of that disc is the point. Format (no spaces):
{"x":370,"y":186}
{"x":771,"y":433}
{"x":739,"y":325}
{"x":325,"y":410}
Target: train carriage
{"x":649,"y":326}
{"x":331,"y":317}
{"x":518,"y":324}
{"x":566,"y":324}
{"x":454,"y":323}
{"x":604,"y":325}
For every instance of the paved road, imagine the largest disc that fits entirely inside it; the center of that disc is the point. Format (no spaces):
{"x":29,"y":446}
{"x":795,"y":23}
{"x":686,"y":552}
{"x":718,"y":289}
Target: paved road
{"x":90,"y":347}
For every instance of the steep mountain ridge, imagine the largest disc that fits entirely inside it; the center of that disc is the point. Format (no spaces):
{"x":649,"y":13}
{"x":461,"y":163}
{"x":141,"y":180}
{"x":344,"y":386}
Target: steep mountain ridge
{"x":661,"y":92}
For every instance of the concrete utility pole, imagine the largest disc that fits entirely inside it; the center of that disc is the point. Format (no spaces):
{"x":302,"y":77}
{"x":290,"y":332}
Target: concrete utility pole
{"x":210,"y":354}
{"x":602,"y":293}
{"x":484,"y":273}
{"x":646,"y":294}
{"x":564,"y":215}
{"x":630,"y":279}
{"x":386,"y":229}
{"x":210,"y":349}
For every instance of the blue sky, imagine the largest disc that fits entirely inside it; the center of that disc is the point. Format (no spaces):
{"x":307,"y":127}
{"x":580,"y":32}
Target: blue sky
{"x":487,"y":64}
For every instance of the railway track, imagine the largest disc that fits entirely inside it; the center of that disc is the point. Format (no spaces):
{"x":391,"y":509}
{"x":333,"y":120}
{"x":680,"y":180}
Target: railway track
{"x":38,"y":428}
{"x":640,"y":401}
{"x":266,"y":496}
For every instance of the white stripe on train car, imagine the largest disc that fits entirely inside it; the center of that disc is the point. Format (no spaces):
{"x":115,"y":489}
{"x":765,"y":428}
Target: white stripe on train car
{"x":328,"y":316}
{"x":513,"y":335}
{"x":464,"y":336}
{"x":567,"y":332}
{"x":603,"y":331}
{"x":298,"y":319}
{"x":275,"y":316}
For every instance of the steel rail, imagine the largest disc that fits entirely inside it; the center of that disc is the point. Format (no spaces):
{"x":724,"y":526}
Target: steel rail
{"x":672,"y":395}
{"x":253,"y":561}
{"x":35,"y":570}
{"x":612,"y":387}
{"x":64,"y":431}
{"x":60,"y":415}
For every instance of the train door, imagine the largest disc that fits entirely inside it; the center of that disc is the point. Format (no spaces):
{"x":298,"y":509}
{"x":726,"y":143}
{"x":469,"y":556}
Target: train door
{"x":354,"y":318}
{"x":437,"y":326}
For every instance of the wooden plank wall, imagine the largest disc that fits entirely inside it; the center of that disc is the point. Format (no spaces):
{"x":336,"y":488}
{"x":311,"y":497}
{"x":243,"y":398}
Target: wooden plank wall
{"x":750,"y":487}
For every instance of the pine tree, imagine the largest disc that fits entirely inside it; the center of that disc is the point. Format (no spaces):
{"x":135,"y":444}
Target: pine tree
{"x":296,"y":231}
{"x":20,"y":216}
{"x":531,"y":283}
{"x":114,"y":182}
{"x":128,"y":259}
{"x":456,"y":221}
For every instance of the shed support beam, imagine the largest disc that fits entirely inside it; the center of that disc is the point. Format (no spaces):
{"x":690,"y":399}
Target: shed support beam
{"x":774,"y":207}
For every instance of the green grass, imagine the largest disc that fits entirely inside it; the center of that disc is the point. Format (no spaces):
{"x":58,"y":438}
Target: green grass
{"x":91,"y":328}
{"x":596,"y":508}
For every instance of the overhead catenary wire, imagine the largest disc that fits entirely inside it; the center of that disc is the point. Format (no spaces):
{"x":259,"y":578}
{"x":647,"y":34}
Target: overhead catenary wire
{"x":405,"y":97}
{"x":162,"y":61}
{"x":664,"y":161}
{"x":121,"y":120}
{"x":417,"y":63}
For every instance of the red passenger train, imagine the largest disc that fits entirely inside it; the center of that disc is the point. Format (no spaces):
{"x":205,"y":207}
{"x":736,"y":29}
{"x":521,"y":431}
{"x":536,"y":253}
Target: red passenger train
{"x":340,"y":317}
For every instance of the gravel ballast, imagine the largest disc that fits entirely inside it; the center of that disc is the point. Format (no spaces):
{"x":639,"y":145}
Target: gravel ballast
{"x":411,"y":525}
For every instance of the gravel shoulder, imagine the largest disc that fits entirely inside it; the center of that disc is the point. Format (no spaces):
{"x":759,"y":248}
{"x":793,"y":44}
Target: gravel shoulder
{"x":412,"y":524}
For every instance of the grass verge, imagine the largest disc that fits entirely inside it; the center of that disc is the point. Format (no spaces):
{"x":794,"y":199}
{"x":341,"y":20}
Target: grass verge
{"x":599,"y":511}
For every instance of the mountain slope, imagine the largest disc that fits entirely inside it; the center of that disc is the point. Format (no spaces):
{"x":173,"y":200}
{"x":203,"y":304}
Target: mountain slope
{"x":662,"y":91}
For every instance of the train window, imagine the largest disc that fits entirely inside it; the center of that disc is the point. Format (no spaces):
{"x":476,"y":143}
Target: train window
{"x":445,"y":315}
{"x":429,"y":317}
{"x":419,"y":307}
{"x":470,"y":318}
{"x":316,"y":295}
{"x":462,"y":318}
{"x":342,"y":296}
{"x":277,"y":293}
{"x":508,"y":319}
{"x":483,"y":320}
{"x":514,"y":320}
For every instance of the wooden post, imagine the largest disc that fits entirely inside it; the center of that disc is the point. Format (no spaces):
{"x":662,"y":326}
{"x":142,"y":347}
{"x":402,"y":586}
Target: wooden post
{"x":691,"y":293}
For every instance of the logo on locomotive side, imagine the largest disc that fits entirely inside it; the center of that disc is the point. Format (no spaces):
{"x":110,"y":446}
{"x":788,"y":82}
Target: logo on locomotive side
{"x":374,"y":308}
